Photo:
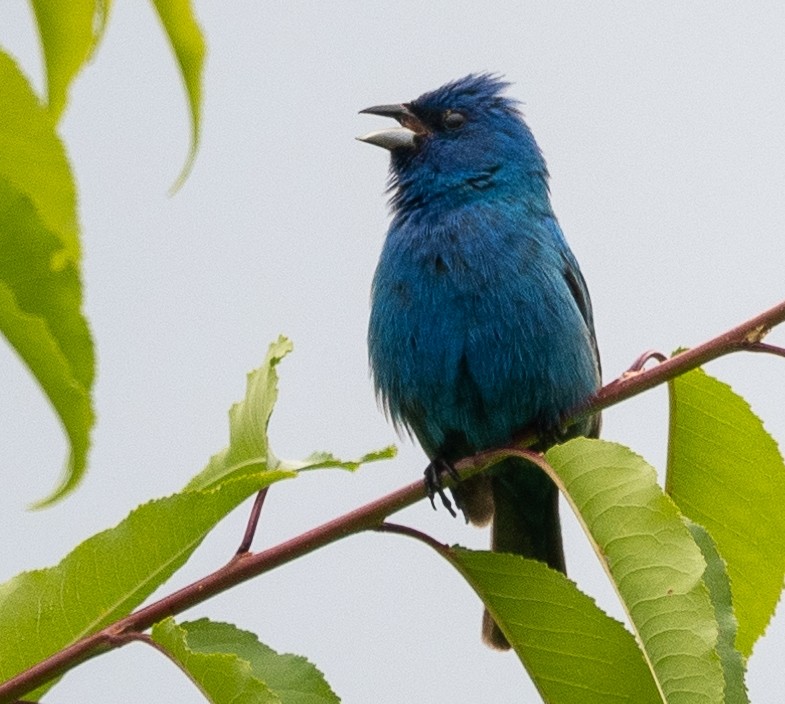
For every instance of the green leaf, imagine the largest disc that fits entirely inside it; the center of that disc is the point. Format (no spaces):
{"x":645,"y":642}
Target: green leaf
{"x":716,"y":578}
{"x":32,"y":158}
{"x":230,"y":665}
{"x":40,"y":287}
{"x":725,"y":473}
{"x":326,"y":460}
{"x":657,"y":568}
{"x":574,"y":652}
{"x":248,"y":421}
{"x":111,"y":573}
{"x":70,"y":32}
{"x":188,"y":44}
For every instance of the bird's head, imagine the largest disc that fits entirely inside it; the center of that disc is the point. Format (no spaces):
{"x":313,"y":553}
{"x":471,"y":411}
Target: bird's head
{"x":458,"y":143}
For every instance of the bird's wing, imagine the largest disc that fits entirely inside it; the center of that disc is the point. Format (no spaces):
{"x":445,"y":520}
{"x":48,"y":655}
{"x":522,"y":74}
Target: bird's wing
{"x":580,"y":293}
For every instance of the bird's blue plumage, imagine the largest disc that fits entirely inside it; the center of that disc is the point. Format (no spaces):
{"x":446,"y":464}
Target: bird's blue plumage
{"x":481,"y":324}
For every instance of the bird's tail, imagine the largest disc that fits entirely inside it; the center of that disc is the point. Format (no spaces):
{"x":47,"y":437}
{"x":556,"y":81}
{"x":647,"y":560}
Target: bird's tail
{"x":525,"y":522}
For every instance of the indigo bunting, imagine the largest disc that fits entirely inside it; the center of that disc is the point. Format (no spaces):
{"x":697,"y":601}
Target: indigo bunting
{"x":481,"y":324}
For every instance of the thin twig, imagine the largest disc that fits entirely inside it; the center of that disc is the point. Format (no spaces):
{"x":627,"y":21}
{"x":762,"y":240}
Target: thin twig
{"x":640,"y":363}
{"x":246,"y":565}
{"x":431,"y":542}
{"x":253,"y":522}
{"x":763,"y":347}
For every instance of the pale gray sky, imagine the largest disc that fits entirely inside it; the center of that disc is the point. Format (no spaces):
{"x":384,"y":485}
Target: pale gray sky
{"x":664,"y":130}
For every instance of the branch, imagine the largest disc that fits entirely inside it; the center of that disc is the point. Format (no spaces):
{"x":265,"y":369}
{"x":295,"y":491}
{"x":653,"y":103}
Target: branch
{"x":745,"y":337}
{"x":246,"y":565}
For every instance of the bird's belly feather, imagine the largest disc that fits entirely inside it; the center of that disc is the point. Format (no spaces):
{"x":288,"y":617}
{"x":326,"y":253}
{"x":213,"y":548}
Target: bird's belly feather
{"x":467,"y":352}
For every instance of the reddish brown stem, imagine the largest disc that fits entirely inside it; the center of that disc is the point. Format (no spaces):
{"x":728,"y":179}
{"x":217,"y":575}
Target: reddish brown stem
{"x":399,"y":529}
{"x":647,"y":356}
{"x":770,"y":349}
{"x":240,"y":568}
{"x":244,"y":566}
{"x":253,"y":522}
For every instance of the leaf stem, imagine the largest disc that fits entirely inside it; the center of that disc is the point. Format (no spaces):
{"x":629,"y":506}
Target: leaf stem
{"x":431,"y":542}
{"x":763,"y":347}
{"x":253,"y":522}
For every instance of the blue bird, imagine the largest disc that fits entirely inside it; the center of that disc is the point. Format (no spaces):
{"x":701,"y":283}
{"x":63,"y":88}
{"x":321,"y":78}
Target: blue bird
{"x":481,"y":324}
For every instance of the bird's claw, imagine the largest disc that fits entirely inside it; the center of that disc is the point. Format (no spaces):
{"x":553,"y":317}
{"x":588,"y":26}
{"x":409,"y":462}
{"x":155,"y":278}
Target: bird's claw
{"x":433,"y":482}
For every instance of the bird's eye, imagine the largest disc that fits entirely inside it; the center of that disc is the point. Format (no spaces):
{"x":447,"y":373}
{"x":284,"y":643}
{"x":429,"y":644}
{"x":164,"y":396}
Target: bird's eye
{"x":453,"y":120}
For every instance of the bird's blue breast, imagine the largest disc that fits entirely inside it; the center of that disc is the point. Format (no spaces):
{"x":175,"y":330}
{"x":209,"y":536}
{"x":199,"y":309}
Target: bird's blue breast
{"x":474,"y":331}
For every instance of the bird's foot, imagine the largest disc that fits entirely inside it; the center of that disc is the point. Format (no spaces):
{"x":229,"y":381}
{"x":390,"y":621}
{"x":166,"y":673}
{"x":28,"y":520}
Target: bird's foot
{"x":434,"y":485}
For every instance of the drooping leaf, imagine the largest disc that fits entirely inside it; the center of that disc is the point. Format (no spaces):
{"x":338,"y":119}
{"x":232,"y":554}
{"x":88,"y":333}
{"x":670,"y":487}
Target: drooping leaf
{"x":70,"y":32}
{"x":657,"y":568}
{"x":725,"y":473}
{"x":717,"y":581}
{"x":188,"y":43}
{"x":40,"y":287}
{"x":32,"y":158}
{"x":574,"y":652}
{"x":231,"y":666}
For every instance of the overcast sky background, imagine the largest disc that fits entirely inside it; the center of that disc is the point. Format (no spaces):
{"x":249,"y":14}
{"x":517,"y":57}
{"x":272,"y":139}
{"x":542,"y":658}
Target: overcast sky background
{"x":664,"y":129}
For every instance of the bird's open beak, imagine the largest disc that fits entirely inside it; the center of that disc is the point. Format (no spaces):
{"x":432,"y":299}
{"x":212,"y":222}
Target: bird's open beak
{"x":403,"y":137}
